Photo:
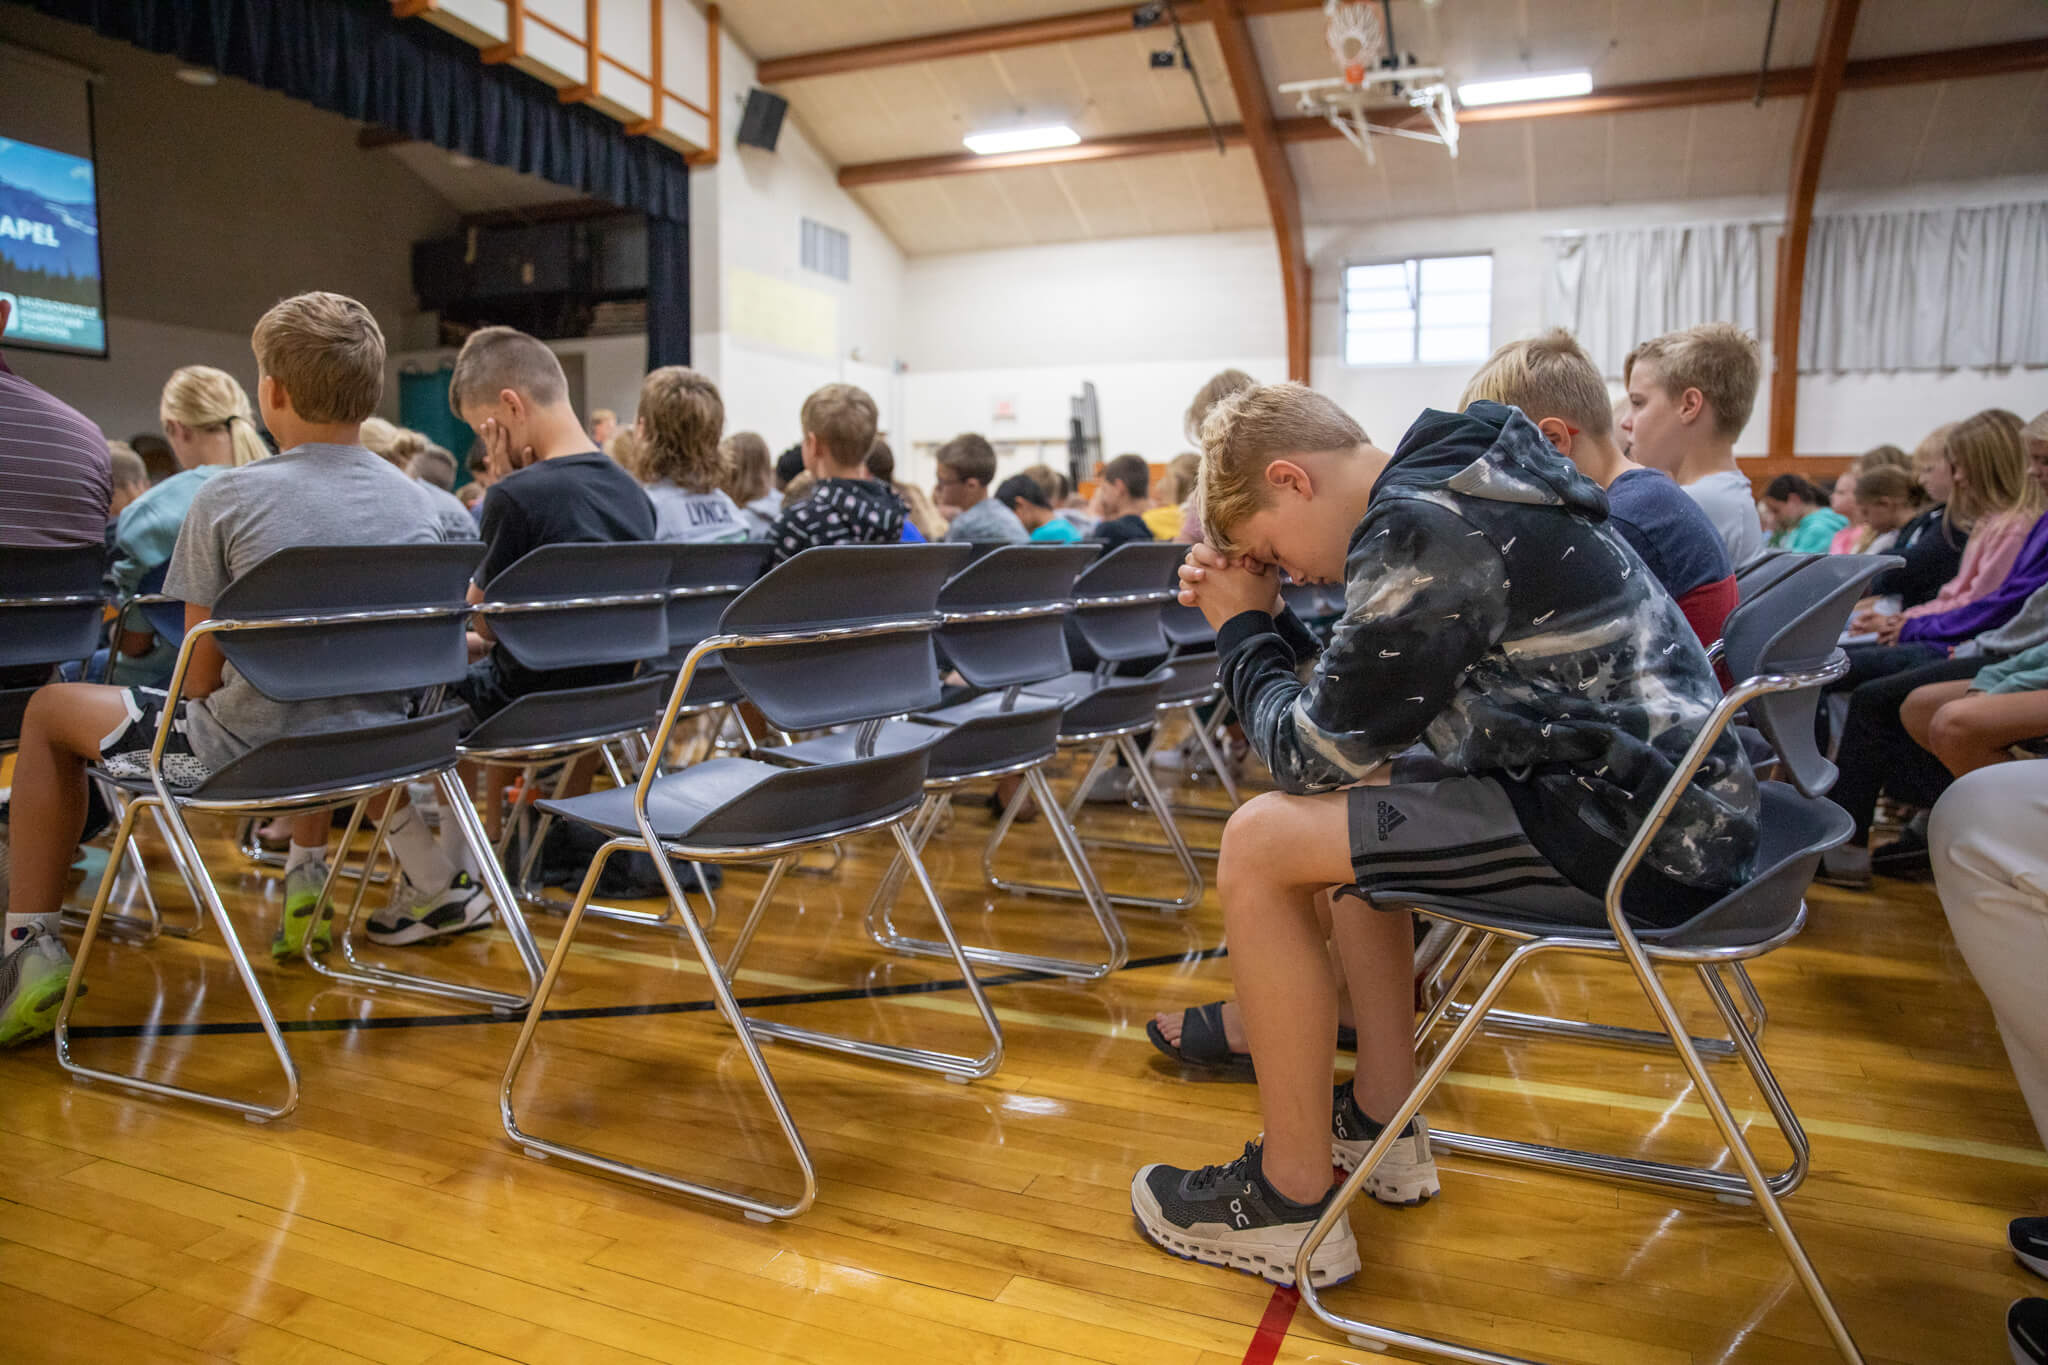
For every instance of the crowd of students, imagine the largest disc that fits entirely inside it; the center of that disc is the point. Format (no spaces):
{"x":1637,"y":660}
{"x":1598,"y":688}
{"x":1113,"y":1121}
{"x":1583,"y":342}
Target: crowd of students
{"x":1530,"y":586}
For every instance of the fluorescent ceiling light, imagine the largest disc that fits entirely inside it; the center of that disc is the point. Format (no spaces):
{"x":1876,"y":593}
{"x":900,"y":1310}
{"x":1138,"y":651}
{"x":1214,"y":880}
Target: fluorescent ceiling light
{"x":1022,"y":139}
{"x":1518,"y":88}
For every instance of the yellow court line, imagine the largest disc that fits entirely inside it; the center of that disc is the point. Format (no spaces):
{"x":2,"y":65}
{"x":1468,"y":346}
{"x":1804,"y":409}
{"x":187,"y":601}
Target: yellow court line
{"x":1574,"y":1094}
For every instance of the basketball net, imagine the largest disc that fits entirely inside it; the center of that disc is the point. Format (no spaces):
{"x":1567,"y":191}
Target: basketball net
{"x":1356,"y":39}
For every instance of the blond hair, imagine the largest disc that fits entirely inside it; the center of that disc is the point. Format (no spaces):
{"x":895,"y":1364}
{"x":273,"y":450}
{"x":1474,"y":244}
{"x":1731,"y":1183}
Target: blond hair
{"x":1055,"y":485}
{"x":1248,"y":431}
{"x":1181,"y":479}
{"x":749,"y":470}
{"x":1881,"y":457}
{"x":682,"y":417}
{"x":207,"y":399}
{"x":494,"y":359}
{"x":843,"y":418}
{"x":1717,"y":358}
{"x":1547,"y":375}
{"x":1888,"y":481}
{"x":1221,"y":385}
{"x":1987,"y":450}
{"x":2036,"y":430}
{"x":434,"y":465}
{"x":628,"y":452}
{"x":327,"y":353}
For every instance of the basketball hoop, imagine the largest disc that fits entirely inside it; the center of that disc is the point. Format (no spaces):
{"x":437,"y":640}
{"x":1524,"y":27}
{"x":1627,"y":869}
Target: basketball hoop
{"x":1356,"y":38}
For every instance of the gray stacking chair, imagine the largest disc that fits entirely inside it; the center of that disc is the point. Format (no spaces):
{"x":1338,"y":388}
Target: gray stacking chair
{"x":309,"y":624}
{"x":1117,"y":604}
{"x":1784,"y":645}
{"x":1002,"y":616}
{"x":839,"y":635}
{"x":50,"y":603}
{"x":559,"y":606}
{"x":702,"y":581}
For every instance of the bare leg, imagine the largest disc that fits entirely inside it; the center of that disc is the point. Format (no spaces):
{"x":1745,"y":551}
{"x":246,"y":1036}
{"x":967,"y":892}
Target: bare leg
{"x":1377,"y":949}
{"x":60,"y":734}
{"x":1975,"y":731}
{"x":1279,"y":854}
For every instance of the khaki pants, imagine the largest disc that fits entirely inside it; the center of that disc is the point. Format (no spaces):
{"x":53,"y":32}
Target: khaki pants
{"x":1989,"y":836}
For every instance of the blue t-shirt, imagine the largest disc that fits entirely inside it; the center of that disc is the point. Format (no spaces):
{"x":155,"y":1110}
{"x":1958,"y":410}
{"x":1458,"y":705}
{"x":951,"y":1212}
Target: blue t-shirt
{"x":1662,"y":523}
{"x":1058,"y":531}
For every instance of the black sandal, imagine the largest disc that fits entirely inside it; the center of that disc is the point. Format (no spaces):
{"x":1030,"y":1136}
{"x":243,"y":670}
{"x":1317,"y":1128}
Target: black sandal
{"x":1205,"y":1047}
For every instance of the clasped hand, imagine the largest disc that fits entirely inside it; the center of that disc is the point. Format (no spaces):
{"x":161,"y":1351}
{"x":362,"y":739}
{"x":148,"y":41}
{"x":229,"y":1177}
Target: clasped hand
{"x":1221,"y":588}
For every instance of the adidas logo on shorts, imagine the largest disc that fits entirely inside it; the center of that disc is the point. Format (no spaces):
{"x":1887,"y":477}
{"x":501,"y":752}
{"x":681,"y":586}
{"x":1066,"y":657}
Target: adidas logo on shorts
{"x":1390,"y":819}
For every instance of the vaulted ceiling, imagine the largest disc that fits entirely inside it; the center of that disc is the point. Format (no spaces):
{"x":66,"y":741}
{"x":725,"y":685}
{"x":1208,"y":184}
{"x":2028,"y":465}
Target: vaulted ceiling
{"x":1104,"y":86}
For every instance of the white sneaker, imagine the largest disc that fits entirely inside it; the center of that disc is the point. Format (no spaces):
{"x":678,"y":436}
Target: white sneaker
{"x":1406,"y":1176}
{"x":459,"y":909}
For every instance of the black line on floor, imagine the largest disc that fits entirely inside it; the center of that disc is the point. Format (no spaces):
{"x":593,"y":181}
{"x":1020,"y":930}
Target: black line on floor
{"x":602,"y":1011}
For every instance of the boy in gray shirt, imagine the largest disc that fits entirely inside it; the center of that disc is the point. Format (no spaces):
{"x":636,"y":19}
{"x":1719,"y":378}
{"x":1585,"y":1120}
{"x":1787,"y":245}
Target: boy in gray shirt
{"x":967,"y":470}
{"x":322,"y":363}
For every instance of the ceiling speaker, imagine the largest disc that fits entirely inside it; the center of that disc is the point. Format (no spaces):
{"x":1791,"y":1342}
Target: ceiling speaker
{"x":761,"y":124}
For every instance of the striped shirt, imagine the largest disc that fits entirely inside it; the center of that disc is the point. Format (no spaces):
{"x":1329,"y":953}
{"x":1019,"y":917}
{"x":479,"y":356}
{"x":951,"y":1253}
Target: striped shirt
{"x":55,"y":478}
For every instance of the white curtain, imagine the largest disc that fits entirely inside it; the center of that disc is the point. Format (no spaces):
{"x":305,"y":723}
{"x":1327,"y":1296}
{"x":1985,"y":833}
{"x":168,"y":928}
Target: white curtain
{"x":1614,"y":289}
{"x":1931,"y":289}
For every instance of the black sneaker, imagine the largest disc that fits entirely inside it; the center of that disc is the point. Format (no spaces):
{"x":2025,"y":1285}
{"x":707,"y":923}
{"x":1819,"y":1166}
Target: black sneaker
{"x":1229,"y":1216}
{"x":1407,"y":1175}
{"x":1906,"y":857}
{"x":2029,"y":1240}
{"x":2026,"y":1327}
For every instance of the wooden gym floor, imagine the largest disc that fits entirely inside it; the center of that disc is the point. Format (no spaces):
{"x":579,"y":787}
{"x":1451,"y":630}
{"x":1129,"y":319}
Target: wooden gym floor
{"x":391,"y":1220}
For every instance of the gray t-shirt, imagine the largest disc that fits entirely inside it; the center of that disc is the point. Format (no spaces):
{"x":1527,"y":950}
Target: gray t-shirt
{"x":449,"y":514}
{"x":988,"y":520}
{"x":309,"y":495}
{"x":1726,"y":498}
{"x":694,"y":518}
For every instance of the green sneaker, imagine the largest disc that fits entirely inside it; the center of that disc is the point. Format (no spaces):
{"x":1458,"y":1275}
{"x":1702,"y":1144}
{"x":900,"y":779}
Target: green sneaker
{"x":32,"y":981}
{"x":301,"y":893}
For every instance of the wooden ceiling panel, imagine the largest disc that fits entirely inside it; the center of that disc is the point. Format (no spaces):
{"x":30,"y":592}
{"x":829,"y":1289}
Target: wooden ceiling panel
{"x":1740,"y":149}
{"x":1886,"y":28}
{"x":1878,"y":135}
{"x":1646,"y":154}
{"x":2027,"y":145}
{"x":778,"y":28}
{"x":1568,"y":160}
{"x":1493,"y":172}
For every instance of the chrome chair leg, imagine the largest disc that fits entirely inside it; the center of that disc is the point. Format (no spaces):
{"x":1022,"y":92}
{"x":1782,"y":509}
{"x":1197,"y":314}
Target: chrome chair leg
{"x":745,"y":940}
{"x":1125,"y":745}
{"x":884,"y":932}
{"x":759,"y":1210}
{"x":455,"y":805}
{"x":188,"y":855}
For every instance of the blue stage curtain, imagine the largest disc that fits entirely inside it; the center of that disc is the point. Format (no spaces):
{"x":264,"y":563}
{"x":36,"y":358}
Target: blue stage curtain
{"x":668,"y":292}
{"x":352,"y":58}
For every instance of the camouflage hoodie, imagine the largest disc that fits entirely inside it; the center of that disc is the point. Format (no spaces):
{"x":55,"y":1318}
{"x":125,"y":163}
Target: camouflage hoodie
{"x":1492,"y":614}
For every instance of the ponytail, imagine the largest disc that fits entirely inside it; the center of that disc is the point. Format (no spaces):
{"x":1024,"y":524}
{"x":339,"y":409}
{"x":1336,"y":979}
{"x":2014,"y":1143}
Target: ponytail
{"x":202,"y":397}
{"x":247,"y":443}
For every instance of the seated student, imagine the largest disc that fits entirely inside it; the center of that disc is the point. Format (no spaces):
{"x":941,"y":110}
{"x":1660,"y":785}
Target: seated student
{"x":1931,"y":543}
{"x":967,"y":471}
{"x":1173,"y":500}
{"x":399,"y":446}
{"x":158,"y":457}
{"x":1887,"y":501}
{"x":926,"y":523}
{"x":1120,"y":501}
{"x":321,"y":357}
{"x":1806,"y":524}
{"x":681,"y":416}
{"x":750,"y":481}
{"x":2002,"y":496}
{"x":1558,"y":388}
{"x":551,"y":487}
{"x":1059,"y":492}
{"x":130,"y":481}
{"x":434,"y":466}
{"x":471,"y":495}
{"x":1689,"y":396}
{"x":1027,"y":499}
{"x":1973,"y":723}
{"x":604,"y":424}
{"x":843,"y":506}
{"x":788,"y":465}
{"x":1565,"y":703}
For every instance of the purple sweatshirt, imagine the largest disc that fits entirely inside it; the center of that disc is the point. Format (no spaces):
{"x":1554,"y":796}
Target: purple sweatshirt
{"x":1950,"y":628}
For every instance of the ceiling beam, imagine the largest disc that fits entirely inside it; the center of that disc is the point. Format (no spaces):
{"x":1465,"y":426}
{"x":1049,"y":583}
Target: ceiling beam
{"x":1276,"y":174}
{"x":1994,"y":59}
{"x":968,"y":42}
{"x":1816,"y":117}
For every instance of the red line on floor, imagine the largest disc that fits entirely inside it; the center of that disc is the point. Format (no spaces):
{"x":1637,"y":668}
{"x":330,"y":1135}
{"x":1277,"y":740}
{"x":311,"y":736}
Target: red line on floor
{"x":1272,"y":1331}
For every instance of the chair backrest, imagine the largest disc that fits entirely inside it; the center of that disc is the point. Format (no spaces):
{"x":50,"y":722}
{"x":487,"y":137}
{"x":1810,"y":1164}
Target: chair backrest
{"x":1011,"y":578}
{"x":1186,"y":628}
{"x":1793,"y":627}
{"x":336,"y":652}
{"x":1119,"y":598}
{"x":703,"y":580}
{"x":167,"y":619}
{"x":49,"y":604}
{"x":595,"y":604}
{"x":1765,"y":570}
{"x":833,"y":588}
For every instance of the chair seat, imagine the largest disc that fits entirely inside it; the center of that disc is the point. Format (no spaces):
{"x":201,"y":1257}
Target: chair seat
{"x":541,"y":720}
{"x":318,"y":762}
{"x":974,"y":736}
{"x":732,"y":804}
{"x":1794,"y":832}
{"x":1095,"y":705}
{"x":1188,"y":680}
